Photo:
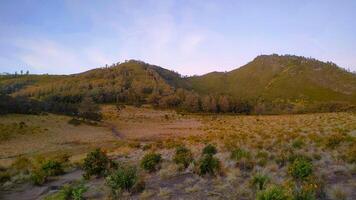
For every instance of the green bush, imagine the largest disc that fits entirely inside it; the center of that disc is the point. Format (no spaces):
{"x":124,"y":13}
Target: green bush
{"x":300,"y":169}
{"x":150,"y":161}
{"x":237,"y":154}
{"x":273,"y":193}
{"x":75,"y":192}
{"x":259,"y":181}
{"x":209,"y":149}
{"x":208,"y":165}
{"x":96,"y":163}
{"x":183,"y":157}
{"x":123,"y":179}
{"x":38,"y":177}
{"x":78,"y":192}
{"x":52,"y":168}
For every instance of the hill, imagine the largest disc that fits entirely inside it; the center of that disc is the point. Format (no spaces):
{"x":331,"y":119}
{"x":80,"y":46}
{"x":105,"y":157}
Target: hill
{"x":275,"y":83}
{"x":281,"y":77}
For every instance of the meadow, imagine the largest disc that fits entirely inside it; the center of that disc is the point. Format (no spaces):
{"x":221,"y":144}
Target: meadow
{"x":191,"y":156}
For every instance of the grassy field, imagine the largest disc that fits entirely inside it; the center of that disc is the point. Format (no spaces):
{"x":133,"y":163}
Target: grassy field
{"x":248,"y":148}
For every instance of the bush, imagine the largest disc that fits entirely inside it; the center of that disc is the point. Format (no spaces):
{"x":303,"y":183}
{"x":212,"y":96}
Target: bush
{"x":150,"y":161}
{"x":52,"y":168}
{"x":209,"y":149}
{"x":75,"y":192}
{"x":300,"y":168}
{"x":237,"y":154}
{"x":78,"y":192}
{"x":208,"y":165}
{"x":38,"y":177}
{"x":183,"y":157}
{"x":298,"y":143}
{"x":123,"y":179}
{"x":259,"y":181}
{"x":96,"y":163}
{"x":273,"y":193}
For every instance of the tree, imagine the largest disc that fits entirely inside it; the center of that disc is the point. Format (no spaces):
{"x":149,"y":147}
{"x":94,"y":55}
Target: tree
{"x":209,"y":104}
{"x":89,"y":110}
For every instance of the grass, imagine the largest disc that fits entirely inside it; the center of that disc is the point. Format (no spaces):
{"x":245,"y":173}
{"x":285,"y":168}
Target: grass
{"x":249,"y":148}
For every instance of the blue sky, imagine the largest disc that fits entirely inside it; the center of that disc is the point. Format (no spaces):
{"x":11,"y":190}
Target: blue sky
{"x":188,"y":36}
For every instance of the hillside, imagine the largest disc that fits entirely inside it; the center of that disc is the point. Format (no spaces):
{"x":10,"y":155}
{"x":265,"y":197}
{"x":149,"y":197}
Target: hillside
{"x":268,"y":78}
{"x":284,"y":77}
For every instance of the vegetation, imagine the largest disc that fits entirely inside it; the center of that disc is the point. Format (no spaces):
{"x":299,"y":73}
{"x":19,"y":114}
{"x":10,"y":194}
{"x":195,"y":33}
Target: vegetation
{"x":125,"y":178}
{"x":273,"y":193}
{"x":150,"y":161}
{"x":183,"y":157}
{"x":96,"y":164}
{"x":208,"y":164}
{"x":209,"y":150}
{"x":259,"y":181}
{"x":301,"y":168}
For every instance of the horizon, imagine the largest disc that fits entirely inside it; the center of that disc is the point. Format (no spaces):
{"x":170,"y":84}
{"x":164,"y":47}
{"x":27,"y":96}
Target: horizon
{"x":191,"y":38}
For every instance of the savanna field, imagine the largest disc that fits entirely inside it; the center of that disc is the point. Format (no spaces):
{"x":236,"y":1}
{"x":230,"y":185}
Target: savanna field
{"x":145,"y":153}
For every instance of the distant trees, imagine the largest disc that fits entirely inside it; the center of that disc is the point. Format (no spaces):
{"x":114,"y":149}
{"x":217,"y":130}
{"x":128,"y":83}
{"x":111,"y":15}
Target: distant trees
{"x":88,"y":110}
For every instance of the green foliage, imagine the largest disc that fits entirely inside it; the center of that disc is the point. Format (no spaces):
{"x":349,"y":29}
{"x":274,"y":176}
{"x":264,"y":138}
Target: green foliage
{"x":183,"y":157}
{"x":298,"y":143}
{"x":300,"y":169}
{"x":125,"y":178}
{"x":237,"y":154}
{"x":4,"y":176}
{"x":38,"y":177}
{"x":259,"y":181}
{"x":96,"y":163}
{"x":209,"y":150}
{"x":52,"y":168}
{"x":273,"y":193}
{"x":150,"y":161}
{"x":208,"y":164}
{"x":67,"y":192}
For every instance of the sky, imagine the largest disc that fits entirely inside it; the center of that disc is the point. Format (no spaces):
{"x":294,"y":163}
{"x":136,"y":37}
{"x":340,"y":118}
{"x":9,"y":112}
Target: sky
{"x":188,"y":36}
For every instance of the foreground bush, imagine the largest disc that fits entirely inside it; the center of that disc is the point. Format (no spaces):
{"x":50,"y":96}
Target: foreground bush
{"x":52,"y":168}
{"x":183,"y":157}
{"x":208,"y":164}
{"x":150,"y":161}
{"x":38,"y":177}
{"x":273,"y":193}
{"x":67,"y":192}
{"x":124,"y":179}
{"x":259,"y":181}
{"x":96,"y":163}
{"x":209,"y":149}
{"x":300,"y":169}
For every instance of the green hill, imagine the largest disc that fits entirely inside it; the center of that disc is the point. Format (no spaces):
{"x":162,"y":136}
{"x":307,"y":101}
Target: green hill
{"x":281,"y":77}
{"x":283,"y":80}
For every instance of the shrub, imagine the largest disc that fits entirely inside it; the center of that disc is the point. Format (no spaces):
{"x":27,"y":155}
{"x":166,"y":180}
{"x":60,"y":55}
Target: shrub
{"x":123,"y":179}
{"x":209,"y":149}
{"x":78,"y":192}
{"x":52,"y":168}
{"x":150,"y":161}
{"x":96,"y":163}
{"x":75,"y":192}
{"x":273,"y":193}
{"x":208,"y":165}
{"x":298,"y":143}
{"x":38,"y":177}
{"x":259,"y":181}
{"x":300,"y":168}
{"x":183,"y":157}
{"x":237,"y":154}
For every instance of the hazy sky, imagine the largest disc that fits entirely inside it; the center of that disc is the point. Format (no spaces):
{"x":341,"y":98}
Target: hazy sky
{"x":188,"y":36}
